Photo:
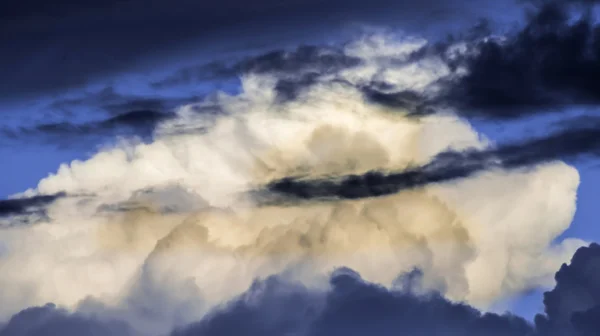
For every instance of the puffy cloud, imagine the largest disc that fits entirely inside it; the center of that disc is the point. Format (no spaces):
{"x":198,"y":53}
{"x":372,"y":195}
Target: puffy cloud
{"x":160,"y":233}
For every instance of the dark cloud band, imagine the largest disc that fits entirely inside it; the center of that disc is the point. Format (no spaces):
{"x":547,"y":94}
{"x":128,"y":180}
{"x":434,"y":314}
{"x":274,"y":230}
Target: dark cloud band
{"x":20,"y":206}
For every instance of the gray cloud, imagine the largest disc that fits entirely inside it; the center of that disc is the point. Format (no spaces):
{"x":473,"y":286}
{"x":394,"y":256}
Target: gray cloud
{"x":50,"y":320}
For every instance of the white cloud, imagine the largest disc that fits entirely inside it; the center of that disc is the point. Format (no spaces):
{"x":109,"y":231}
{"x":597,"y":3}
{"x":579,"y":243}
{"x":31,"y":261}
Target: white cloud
{"x":477,"y":239}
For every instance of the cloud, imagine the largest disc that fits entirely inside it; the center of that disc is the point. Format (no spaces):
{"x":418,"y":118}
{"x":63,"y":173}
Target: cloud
{"x":569,"y":143}
{"x":189,"y":75}
{"x":548,"y":64}
{"x":50,"y":320}
{"x":552,"y":62}
{"x":322,"y":60}
{"x":136,"y":123}
{"x":352,"y":306}
{"x":113,"y":101}
{"x":21,"y":206}
{"x":50,"y":50}
{"x":296,"y":68}
{"x":409,"y":100}
{"x":170,"y":231}
{"x":159,"y":265}
{"x":94,"y":117}
{"x":572,"y":306}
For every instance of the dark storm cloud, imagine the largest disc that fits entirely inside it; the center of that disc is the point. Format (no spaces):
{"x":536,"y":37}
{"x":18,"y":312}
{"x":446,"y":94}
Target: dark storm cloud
{"x":50,"y":320}
{"x":551,"y":63}
{"x":573,"y":306}
{"x":572,"y":143}
{"x":23,"y":206}
{"x":351,"y":307}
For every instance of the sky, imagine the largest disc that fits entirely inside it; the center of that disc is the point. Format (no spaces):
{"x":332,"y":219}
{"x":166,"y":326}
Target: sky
{"x":299,"y":167}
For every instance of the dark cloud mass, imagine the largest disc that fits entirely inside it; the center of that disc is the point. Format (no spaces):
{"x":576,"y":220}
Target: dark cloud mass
{"x":553,"y":62}
{"x":50,"y":320}
{"x":550,"y":63}
{"x":351,"y":307}
{"x":573,"y":305}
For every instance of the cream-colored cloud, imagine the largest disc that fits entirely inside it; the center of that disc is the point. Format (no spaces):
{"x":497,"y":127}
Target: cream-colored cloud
{"x":166,"y":228}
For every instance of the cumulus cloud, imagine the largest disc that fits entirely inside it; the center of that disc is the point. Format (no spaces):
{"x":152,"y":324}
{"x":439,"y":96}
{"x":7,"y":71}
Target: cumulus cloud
{"x":160,"y":233}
